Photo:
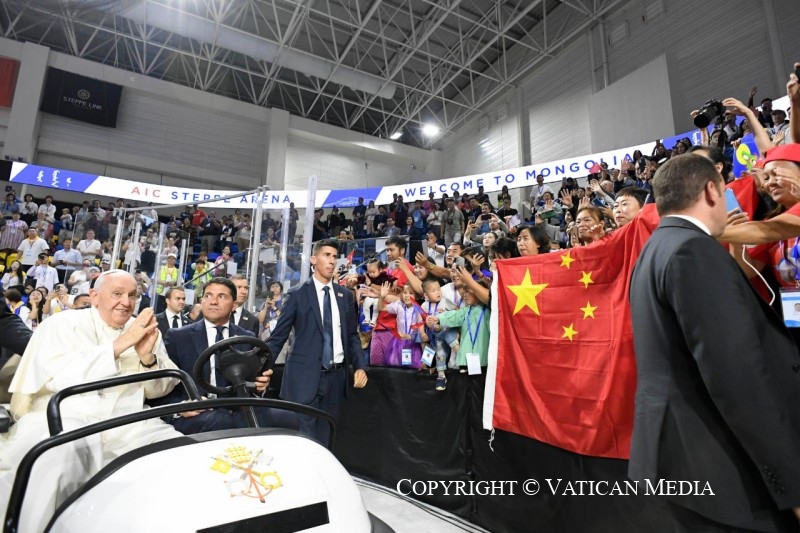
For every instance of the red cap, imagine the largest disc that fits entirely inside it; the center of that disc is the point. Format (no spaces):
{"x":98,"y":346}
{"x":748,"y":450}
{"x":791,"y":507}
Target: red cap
{"x":785,"y":152}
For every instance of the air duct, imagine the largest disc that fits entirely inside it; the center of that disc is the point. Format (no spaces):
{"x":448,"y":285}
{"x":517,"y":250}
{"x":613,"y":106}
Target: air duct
{"x":207,"y":31}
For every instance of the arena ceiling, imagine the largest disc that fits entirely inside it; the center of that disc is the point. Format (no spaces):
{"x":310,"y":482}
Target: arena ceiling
{"x":373,"y":66}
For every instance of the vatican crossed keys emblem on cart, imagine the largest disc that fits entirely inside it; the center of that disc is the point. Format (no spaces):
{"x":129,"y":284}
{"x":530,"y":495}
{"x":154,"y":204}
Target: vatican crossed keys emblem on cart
{"x":247,"y":472}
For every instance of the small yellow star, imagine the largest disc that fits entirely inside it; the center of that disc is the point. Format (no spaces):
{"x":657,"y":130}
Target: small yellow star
{"x":588,"y":311}
{"x":586,"y":279}
{"x":569,"y":332}
{"x":526,"y":293}
{"x":566,"y":260}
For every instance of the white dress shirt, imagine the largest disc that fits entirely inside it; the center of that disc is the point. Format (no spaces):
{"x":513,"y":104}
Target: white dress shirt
{"x":693,"y":221}
{"x":45,"y":276}
{"x":338,"y":346}
{"x":170,"y":315}
{"x":211,"y":335}
{"x":236,"y":316}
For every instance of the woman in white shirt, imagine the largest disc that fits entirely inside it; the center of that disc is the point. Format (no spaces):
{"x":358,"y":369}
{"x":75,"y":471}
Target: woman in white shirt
{"x":370,"y":214}
{"x":14,"y":276}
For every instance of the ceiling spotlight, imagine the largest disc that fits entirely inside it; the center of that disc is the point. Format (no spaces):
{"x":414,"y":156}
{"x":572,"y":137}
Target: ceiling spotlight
{"x":396,"y":135}
{"x":430,"y":130}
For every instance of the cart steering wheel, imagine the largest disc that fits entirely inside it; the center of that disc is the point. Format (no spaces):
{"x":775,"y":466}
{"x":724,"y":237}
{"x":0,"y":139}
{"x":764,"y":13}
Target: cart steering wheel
{"x":238,"y":367}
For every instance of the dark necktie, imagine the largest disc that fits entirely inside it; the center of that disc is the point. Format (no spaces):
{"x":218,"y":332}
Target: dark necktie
{"x":327,"y":330}
{"x":219,"y":381}
{"x":176,"y":325}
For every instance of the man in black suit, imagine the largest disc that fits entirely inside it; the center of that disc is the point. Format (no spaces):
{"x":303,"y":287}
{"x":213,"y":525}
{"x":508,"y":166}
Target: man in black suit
{"x":185,"y":344}
{"x":323,"y":315}
{"x":172,"y":316}
{"x":14,"y":337}
{"x":718,"y":373}
{"x":241,"y":316}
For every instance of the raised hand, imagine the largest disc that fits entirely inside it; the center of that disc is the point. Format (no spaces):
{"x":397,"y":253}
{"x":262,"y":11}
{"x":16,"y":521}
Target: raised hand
{"x":735,"y":107}
{"x":385,"y":289}
{"x":566,"y":198}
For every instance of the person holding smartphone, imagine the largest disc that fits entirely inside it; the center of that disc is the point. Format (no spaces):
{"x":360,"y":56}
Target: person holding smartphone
{"x":56,"y":301}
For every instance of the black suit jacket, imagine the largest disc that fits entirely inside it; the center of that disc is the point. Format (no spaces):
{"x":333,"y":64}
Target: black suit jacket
{"x":164,"y":325}
{"x":184,"y":345}
{"x":718,"y":382}
{"x":301,"y":311}
{"x":248,"y":321}
{"x":14,"y":335}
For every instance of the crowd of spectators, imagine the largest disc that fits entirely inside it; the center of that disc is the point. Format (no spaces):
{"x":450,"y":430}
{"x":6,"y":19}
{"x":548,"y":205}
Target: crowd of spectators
{"x":452,"y":243}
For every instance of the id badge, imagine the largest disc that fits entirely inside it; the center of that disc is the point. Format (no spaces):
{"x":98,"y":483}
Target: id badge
{"x":427,"y":355}
{"x":790,"y":305}
{"x":406,"y":360}
{"x":473,"y":364}
{"x":272,"y":324}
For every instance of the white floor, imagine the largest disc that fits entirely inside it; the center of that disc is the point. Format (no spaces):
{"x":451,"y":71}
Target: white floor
{"x":410,"y":516}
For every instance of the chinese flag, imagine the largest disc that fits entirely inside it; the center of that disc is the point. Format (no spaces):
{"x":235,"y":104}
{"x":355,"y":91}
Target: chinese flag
{"x":565,"y":371}
{"x":562,"y":369}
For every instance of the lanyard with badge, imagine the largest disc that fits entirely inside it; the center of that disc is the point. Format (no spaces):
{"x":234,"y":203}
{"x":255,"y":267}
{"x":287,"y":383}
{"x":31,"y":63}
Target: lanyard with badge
{"x":789,"y":271}
{"x":474,"y":359}
{"x":406,"y":352}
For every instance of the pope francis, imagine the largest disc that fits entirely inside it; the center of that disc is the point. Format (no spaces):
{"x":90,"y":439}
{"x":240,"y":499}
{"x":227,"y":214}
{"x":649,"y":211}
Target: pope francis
{"x":76,"y":347}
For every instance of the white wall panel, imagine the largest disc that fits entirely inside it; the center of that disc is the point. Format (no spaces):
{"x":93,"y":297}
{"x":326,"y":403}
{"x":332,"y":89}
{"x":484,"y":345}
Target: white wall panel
{"x":555,"y":99}
{"x":715,"y":49}
{"x":485,"y":143}
{"x":645,"y":88}
{"x":338,"y":167}
{"x":204,"y":142}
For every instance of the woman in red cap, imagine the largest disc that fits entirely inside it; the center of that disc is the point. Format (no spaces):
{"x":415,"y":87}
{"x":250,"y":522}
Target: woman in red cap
{"x":778,"y":237}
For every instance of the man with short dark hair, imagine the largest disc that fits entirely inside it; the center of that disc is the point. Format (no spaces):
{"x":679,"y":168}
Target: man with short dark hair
{"x":453,"y":223}
{"x":45,"y":275}
{"x":184,"y":345}
{"x":716,"y":401}
{"x":630,"y":201}
{"x":240,"y":315}
{"x":31,"y":248}
{"x":172,"y":316}
{"x":323,"y":315}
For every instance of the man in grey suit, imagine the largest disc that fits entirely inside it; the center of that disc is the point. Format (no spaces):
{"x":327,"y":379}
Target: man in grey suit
{"x":323,"y":315}
{"x":718,"y":373}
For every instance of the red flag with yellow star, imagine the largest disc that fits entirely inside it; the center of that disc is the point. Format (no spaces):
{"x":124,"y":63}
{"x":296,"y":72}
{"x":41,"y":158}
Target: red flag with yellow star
{"x":563,"y":360}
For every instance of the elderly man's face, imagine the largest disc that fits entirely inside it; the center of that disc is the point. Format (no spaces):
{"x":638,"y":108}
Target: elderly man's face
{"x":114,"y":298}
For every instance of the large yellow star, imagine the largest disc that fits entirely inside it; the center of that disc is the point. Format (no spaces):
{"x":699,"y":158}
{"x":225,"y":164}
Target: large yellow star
{"x":526,"y":293}
{"x":586,"y":279}
{"x":566,"y":260}
{"x":569,"y":332}
{"x":588,"y":311}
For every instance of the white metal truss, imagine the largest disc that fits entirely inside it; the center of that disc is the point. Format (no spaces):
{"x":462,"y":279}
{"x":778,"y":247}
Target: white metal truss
{"x":374,"y":66}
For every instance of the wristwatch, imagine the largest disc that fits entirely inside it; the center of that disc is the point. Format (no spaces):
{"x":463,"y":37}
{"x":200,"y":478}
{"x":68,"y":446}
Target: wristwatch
{"x":151,"y":365}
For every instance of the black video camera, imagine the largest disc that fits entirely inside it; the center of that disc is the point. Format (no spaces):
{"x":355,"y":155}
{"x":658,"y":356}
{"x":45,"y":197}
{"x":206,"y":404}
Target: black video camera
{"x":712,"y":111}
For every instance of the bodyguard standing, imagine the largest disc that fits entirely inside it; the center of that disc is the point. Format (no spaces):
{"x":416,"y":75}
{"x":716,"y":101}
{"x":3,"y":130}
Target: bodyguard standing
{"x":323,"y":315}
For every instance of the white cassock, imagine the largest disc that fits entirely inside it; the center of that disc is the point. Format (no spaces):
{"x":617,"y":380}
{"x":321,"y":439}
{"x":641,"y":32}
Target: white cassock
{"x":68,"y":349}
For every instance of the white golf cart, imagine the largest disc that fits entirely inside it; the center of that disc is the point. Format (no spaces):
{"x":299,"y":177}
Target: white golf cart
{"x":244,"y":480}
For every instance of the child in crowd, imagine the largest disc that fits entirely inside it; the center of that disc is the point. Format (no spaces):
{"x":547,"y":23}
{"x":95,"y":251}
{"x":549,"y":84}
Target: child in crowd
{"x":375,"y":278}
{"x":473,"y":319}
{"x":407,"y":350}
{"x":443,"y":340}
